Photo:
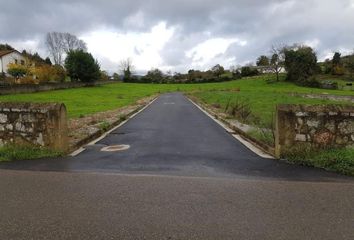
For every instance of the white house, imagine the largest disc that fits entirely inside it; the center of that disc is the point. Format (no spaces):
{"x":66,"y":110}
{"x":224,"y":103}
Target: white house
{"x":10,"y":56}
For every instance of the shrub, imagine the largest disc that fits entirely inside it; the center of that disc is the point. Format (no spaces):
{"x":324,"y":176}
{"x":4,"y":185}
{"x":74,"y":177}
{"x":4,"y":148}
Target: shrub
{"x":81,"y":66}
{"x":48,"y":73}
{"x":249,"y":71}
{"x":2,"y":76}
{"x":59,"y":73}
{"x":309,"y":82}
{"x":104,"y":76}
{"x":338,"y":70}
{"x":329,"y":84}
{"x":240,"y":109}
{"x":104,"y":126}
{"x":17,"y":70}
{"x":236,"y":74}
{"x":43,"y":73}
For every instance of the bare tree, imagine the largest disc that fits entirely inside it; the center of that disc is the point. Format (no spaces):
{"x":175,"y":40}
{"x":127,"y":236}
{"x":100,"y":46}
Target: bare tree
{"x":277,"y":59}
{"x":126,"y":68}
{"x":55,"y":46}
{"x":71,"y":42}
{"x":59,"y":44}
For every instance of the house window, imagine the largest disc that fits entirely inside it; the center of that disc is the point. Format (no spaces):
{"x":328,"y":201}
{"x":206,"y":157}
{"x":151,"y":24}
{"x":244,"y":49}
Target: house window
{"x":16,"y":61}
{"x":22,"y":62}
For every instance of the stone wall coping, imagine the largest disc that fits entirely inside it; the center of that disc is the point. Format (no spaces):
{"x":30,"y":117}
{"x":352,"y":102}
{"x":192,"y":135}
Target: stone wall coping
{"x":315,"y":108}
{"x":30,"y":107}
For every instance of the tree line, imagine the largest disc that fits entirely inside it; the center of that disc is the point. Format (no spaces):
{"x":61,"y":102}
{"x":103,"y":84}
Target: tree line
{"x":69,"y":59}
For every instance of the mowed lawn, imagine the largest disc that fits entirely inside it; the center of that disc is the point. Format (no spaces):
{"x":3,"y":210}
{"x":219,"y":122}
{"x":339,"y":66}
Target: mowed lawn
{"x":261,"y":96}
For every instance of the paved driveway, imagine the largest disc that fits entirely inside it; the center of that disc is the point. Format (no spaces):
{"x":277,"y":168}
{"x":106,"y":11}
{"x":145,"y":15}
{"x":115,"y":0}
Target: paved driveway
{"x":173,"y":137}
{"x":184,"y":177}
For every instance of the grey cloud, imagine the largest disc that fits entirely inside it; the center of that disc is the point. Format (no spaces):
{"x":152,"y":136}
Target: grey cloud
{"x":261,"y":23}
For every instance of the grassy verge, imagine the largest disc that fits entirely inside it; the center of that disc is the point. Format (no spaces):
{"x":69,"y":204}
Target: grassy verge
{"x":11,"y":153}
{"x":266,"y":137}
{"x":261,"y":101}
{"x":337,"y":160}
{"x":263,"y":96}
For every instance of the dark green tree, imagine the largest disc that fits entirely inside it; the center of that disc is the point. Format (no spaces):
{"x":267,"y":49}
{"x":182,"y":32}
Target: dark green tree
{"x":47,"y":61}
{"x":218,"y":70}
{"x":154,"y":76}
{"x":336,"y":59}
{"x":249,"y":71}
{"x":350,"y":66}
{"x":337,"y":65}
{"x":263,"y":61}
{"x":300,"y":64}
{"x":81,"y":66}
{"x":4,"y":47}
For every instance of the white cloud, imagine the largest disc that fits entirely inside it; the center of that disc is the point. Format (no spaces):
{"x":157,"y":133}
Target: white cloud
{"x":111,"y":47}
{"x":314,"y":43}
{"x":209,"y":52}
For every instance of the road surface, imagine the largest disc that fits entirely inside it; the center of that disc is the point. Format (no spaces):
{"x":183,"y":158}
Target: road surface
{"x":183,"y":177}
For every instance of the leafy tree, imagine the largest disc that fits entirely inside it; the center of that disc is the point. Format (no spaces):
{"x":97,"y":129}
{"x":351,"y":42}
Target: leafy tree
{"x":116,"y":77}
{"x":81,"y":66}
{"x":17,"y":70}
{"x":337,"y":66}
{"x":300,"y":63}
{"x":263,"y":61}
{"x":48,"y":73}
{"x":248,"y":71}
{"x":327,"y":66}
{"x":218,"y":70}
{"x":59,"y":73}
{"x":154,"y":76}
{"x":104,"y":76}
{"x":4,"y":47}
{"x":336,"y":60}
{"x":47,"y":61}
{"x":350,"y":66}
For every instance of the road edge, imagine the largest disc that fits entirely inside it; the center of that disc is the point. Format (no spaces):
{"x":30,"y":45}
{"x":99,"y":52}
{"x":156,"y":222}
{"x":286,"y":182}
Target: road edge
{"x":250,"y":145}
{"x":105,"y":134}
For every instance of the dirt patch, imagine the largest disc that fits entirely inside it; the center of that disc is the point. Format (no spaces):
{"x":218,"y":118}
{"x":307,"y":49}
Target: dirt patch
{"x":83,"y":130}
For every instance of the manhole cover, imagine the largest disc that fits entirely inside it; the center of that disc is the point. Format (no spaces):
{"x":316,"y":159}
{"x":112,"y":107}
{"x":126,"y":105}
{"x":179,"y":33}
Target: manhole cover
{"x":115,"y":148}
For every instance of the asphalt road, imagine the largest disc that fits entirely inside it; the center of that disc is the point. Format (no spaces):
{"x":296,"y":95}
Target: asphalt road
{"x":173,"y":137}
{"x":184,"y":177}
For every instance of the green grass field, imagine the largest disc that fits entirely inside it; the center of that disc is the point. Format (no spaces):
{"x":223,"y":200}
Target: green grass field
{"x":262,"y":96}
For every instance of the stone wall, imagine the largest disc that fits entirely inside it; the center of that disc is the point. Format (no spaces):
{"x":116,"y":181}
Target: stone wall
{"x":40,"y":124}
{"x":316,"y":126}
{"x":31,"y":88}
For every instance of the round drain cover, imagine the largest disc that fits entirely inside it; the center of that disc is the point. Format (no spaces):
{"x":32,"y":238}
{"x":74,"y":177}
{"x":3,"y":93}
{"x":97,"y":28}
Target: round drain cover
{"x":115,"y":148}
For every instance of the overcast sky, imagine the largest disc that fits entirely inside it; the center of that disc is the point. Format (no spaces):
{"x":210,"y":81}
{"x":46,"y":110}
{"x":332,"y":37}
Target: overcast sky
{"x":178,"y":35}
